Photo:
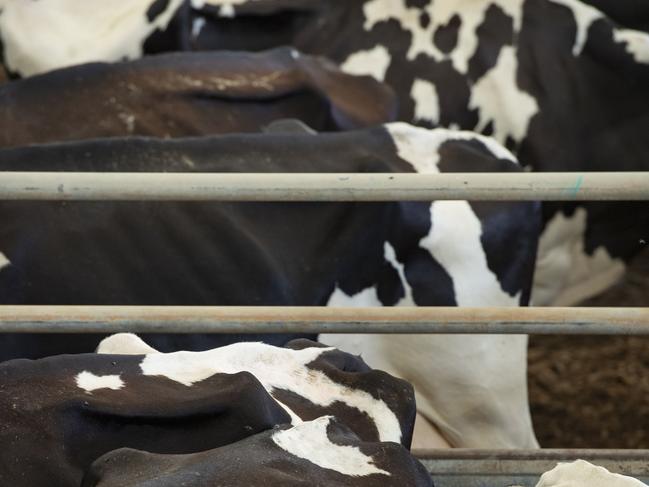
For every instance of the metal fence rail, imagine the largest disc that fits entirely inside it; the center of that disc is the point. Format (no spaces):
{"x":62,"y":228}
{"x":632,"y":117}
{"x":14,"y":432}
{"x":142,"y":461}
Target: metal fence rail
{"x":501,"y":468}
{"x":406,"y":320}
{"x":324,"y":187}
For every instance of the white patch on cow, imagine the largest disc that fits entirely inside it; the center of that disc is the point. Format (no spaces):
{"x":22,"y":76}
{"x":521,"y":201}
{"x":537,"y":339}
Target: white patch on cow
{"x":227,"y":11}
{"x":197,"y":26}
{"x":310,"y":442}
{"x":391,"y":256}
{"x":276,"y":369}
{"x":90,"y":382}
{"x":584,"y":474}
{"x":50,"y":34}
{"x":4,"y":262}
{"x":584,"y":16}
{"x":454,"y":242}
{"x":124,"y":344}
{"x":367,"y":298}
{"x":500,"y":101}
{"x":226,"y":6}
{"x":426,"y":99}
{"x":565,"y":274}
{"x":636,"y":43}
{"x":471,"y":13}
{"x":373,"y":62}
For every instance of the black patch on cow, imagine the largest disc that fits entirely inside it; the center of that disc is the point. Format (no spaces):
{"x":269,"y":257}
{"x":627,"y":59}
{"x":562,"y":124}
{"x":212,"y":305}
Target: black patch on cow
{"x":446,"y":36}
{"x":247,"y":32}
{"x":389,"y":288}
{"x":510,"y":143}
{"x":632,"y":14}
{"x":417,"y":3}
{"x":419,"y":265}
{"x":488,"y":130}
{"x":496,"y":31}
{"x":424,"y":20}
{"x":174,"y":37}
{"x":156,"y":8}
{"x":419,"y":268}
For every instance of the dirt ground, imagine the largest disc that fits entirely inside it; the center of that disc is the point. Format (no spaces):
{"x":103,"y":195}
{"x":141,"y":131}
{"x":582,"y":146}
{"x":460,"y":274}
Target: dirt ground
{"x":593,"y":392}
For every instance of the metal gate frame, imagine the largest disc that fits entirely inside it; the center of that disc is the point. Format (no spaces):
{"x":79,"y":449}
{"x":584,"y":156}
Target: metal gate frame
{"x":450,"y":468}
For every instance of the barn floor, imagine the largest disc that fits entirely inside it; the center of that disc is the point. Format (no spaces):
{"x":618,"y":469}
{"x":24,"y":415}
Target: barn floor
{"x":593,"y":392}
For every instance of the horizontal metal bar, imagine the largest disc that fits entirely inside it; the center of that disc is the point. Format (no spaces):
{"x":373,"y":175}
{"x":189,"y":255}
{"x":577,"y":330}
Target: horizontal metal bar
{"x":324,"y":187}
{"x":498,"y":468}
{"x":405,"y":320}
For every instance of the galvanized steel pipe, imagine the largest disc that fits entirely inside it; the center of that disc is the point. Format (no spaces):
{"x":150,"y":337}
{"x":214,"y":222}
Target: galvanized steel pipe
{"x":498,"y":468}
{"x":324,"y":186}
{"x":406,"y":320}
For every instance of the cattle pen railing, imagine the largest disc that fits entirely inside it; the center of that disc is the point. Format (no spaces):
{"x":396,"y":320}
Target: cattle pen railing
{"x":450,"y":468}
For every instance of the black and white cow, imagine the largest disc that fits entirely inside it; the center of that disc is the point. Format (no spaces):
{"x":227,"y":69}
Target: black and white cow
{"x":188,"y":94}
{"x":60,"y":414}
{"x":338,"y":254}
{"x":557,"y":81}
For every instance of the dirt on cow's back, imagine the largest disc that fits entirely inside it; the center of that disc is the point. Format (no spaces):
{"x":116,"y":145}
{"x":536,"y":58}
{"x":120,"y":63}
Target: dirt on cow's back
{"x":593,"y":391}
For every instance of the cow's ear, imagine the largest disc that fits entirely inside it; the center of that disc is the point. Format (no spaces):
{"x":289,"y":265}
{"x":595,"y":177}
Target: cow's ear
{"x":355,"y":101}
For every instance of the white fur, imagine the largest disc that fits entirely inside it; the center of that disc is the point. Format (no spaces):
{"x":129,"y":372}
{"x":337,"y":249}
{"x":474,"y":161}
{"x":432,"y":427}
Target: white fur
{"x":473,"y":388}
{"x":584,"y":474}
{"x":197,"y":26}
{"x":124,"y":344}
{"x":565,"y":274}
{"x":90,"y":382}
{"x":275,"y":368}
{"x":309,"y":441}
{"x":4,"y":261}
{"x":636,"y":43}
{"x":501,"y":101}
{"x":426,"y":101}
{"x":373,"y":62}
{"x":50,"y":34}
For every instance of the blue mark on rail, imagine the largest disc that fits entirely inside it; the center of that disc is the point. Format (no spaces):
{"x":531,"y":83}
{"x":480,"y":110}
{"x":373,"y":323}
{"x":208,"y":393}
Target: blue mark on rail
{"x":572,"y":192}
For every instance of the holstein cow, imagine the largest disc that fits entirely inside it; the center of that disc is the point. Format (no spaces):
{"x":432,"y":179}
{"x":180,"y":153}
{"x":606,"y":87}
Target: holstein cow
{"x":60,"y":414}
{"x":40,"y":36}
{"x":557,"y":81}
{"x":584,"y":474}
{"x":188,"y":94}
{"x":202,"y":253}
